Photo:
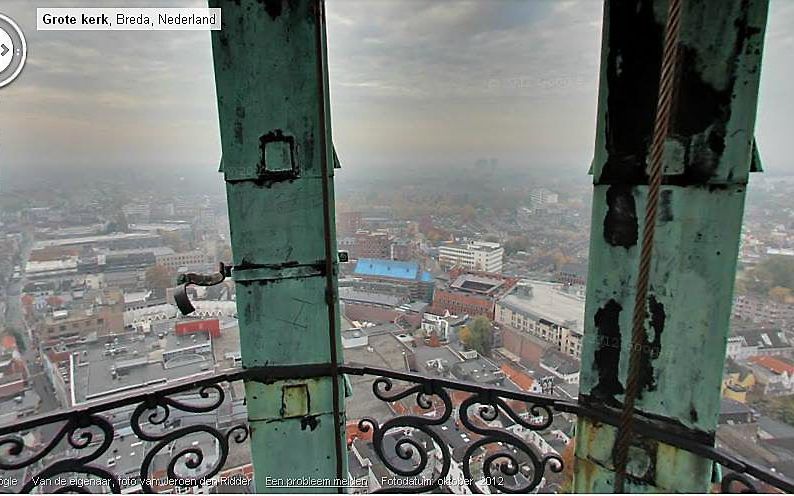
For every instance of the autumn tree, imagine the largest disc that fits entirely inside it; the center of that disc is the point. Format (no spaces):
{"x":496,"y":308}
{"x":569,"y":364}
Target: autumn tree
{"x":18,"y":338}
{"x":780,"y":408}
{"x":118,"y":223}
{"x":468,"y":213}
{"x":478,"y":335}
{"x":772,"y":272}
{"x":160,"y":277}
{"x":780,"y":294}
{"x":516,"y":244}
{"x":174,"y":240}
{"x":464,"y":334}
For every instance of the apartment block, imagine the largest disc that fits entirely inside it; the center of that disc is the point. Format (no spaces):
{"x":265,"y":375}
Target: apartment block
{"x":545,"y":311}
{"x":476,"y":255}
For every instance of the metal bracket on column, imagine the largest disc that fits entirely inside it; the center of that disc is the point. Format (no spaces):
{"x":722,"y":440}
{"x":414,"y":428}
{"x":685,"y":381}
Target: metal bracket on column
{"x":274,"y":118}
{"x":181,"y":298}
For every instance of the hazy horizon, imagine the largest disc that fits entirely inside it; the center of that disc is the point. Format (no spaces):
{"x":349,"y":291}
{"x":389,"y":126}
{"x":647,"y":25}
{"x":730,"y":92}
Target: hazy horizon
{"x":418,"y":83}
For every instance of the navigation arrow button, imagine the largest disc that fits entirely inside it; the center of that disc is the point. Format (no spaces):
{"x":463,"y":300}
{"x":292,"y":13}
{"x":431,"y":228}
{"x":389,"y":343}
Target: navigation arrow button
{"x":13,"y":50}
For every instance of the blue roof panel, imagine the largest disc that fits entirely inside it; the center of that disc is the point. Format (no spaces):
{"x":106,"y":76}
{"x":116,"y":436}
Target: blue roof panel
{"x":377,"y":267}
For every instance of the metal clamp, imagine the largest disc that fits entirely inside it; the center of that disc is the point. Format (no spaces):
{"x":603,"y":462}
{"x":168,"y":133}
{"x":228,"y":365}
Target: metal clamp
{"x":180,"y":292}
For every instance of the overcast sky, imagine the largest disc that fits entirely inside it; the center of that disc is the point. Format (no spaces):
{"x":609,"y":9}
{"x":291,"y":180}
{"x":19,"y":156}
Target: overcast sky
{"x":427,"y":82}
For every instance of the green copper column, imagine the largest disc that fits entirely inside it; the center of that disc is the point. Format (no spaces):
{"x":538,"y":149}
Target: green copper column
{"x":708,"y":157}
{"x":272,"y":85}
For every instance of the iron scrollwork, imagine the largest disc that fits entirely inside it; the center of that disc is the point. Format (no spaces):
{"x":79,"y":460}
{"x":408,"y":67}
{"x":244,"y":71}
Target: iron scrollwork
{"x":80,"y":432}
{"x":511,"y":462}
{"x":407,"y":447}
{"x":191,"y":458}
{"x":522,"y":464}
{"x":736,"y":483}
{"x":497,"y":454}
{"x":495,"y":458}
{"x":70,"y":460}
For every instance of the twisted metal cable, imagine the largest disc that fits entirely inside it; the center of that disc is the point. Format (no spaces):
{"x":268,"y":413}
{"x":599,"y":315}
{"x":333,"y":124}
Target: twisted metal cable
{"x":638,"y":338}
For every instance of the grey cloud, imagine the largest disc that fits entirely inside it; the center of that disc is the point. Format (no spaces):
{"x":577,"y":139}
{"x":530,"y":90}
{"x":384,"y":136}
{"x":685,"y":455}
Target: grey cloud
{"x":421,"y":81}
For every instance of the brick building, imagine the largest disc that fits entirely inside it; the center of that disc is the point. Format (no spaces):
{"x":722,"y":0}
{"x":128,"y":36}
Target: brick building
{"x":472,"y":293}
{"x":402,"y":250}
{"x":101,"y":316}
{"x":764,"y":310}
{"x":372,"y":244}
{"x":175,"y":261}
{"x":348,"y":222}
{"x":572,"y":274}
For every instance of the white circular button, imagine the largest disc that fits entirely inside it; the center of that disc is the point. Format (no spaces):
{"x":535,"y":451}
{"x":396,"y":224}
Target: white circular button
{"x":13,"y":50}
{"x":6,"y":50}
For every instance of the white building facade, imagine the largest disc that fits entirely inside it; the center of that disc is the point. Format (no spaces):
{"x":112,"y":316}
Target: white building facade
{"x":547,"y":312}
{"x":476,"y":255}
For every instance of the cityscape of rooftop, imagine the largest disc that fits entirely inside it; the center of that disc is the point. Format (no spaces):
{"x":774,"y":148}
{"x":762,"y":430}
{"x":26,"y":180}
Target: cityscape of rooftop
{"x":463,"y":216}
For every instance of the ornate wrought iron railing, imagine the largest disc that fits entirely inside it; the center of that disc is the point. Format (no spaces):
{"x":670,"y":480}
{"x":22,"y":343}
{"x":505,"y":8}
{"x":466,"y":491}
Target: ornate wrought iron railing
{"x":440,"y":431}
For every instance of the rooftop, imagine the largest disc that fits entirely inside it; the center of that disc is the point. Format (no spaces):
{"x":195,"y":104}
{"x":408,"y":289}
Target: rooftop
{"x":774,"y":429}
{"x":434,"y":360}
{"x":355,"y":296}
{"x":546,"y":301}
{"x":383,"y":350}
{"x":522,"y":380}
{"x":35,"y":267}
{"x":475,"y":283}
{"x":474,"y":245}
{"x":376,"y":267}
{"x":481,"y":371}
{"x":733,"y":407}
{"x":763,"y":338}
{"x":155,"y":250}
{"x":137,"y":360}
{"x":774,"y":364}
{"x":559,"y":362}
{"x":103,"y":238}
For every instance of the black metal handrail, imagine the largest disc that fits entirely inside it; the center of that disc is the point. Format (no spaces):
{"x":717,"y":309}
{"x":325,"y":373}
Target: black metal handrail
{"x":409,"y":444}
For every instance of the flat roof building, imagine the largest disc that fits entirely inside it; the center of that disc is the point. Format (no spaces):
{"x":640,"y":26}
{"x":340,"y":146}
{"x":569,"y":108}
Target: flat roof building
{"x":546,"y":311}
{"x":472,"y":293}
{"x":475,"y":255}
{"x":392,"y":277}
{"x":112,"y":367}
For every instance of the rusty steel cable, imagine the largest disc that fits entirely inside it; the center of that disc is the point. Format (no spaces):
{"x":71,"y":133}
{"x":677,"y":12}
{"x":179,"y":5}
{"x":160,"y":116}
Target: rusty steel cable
{"x":661,"y":129}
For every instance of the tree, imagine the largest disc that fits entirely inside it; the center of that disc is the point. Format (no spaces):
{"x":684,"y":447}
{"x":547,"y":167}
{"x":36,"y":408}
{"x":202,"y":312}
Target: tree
{"x":780,"y":294}
{"x":174,"y":241}
{"x":118,"y":223}
{"x":516,"y":244}
{"x":160,"y":277}
{"x":18,"y":338}
{"x":774,"y":271}
{"x":465,"y":335}
{"x":478,"y":336}
{"x":468,"y":213}
{"x":492,"y":238}
{"x":780,"y":408}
